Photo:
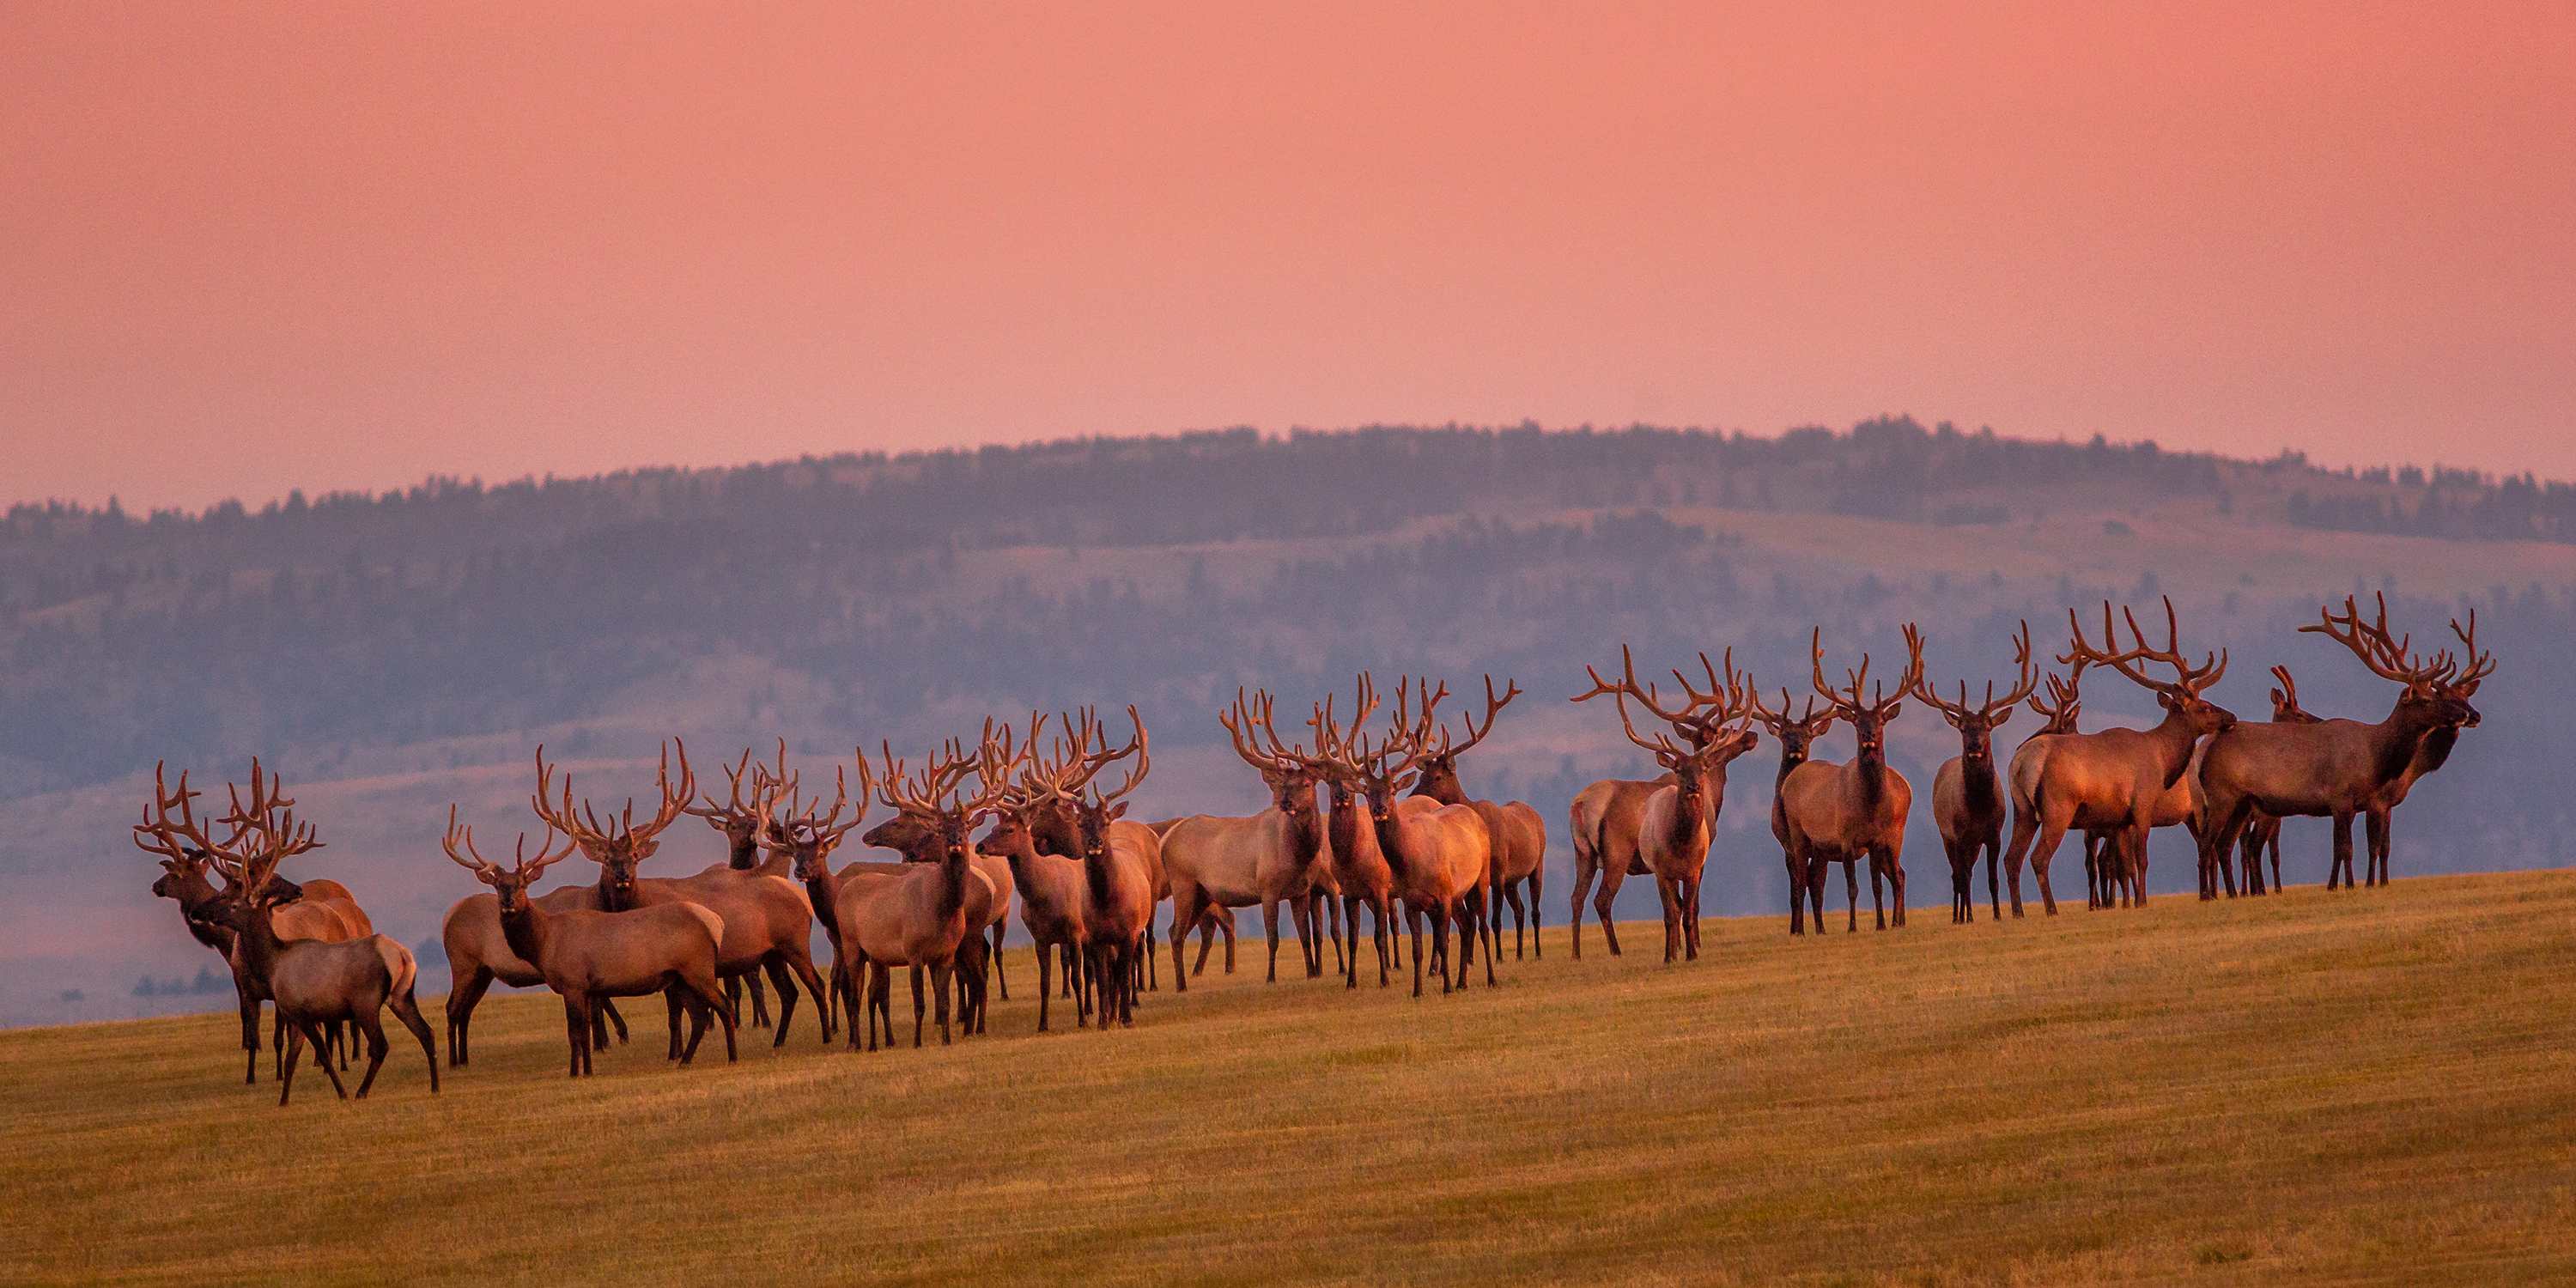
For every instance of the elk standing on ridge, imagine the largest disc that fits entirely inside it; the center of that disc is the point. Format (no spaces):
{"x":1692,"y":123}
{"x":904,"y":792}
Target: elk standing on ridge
{"x":312,"y":982}
{"x":1437,"y":857}
{"x":1520,"y":835}
{"x":587,"y":954}
{"x":1675,"y":824}
{"x":1843,"y":813}
{"x":2339,"y":768}
{"x":1121,"y":860}
{"x":1265,"y":860}
{"x":1797,"y":735}
{"x":1359,"y":871}
{"x":2262,"y":831}
{"x":325,"y":912}
{"x":1967,"y":795}
{"x":2111,"y":781}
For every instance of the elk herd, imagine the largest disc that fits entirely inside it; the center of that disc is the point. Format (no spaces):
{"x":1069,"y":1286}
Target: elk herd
{"x":1366,"y":814}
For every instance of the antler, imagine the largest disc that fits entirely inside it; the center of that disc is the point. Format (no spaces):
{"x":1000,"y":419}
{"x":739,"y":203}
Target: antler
{"x":1781,"y":722}
{"x":1990,"y":711}
{"x":2061,"y":693}
{"x":524,"y":867}
{"x":2189,"y":680}
{"x":1493,"y":708}
{"x":182,"y":839}
{"x":265,"y":831}
{"x":2481,"y":665}
{"x":1879,"y":703}
{"x":1137,"y":746}
{"x":1239,"y":721}
{"x":1627,"y":688}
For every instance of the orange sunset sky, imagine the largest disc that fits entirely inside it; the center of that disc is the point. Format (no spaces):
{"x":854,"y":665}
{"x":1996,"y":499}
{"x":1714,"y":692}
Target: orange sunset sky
{"x":245,"y":248}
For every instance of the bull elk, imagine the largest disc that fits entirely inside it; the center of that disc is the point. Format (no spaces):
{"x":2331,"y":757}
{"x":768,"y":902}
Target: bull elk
{"x":1359,"y":871}
{"x":745,"y":825}
{"x":1435,"y":856}
{"x":1967,"y":795}
{"x":1797,"y":735}
{"x":917,"y":917}
{"x":2340,"y":768}
{"x":2112,"y":781}
{"x":2262,"y":831}
{"x":312,"y":982}
{"x":1844,"y":813}
{"x":587,"y":954}
{"x":1520,"y":835}
{"x":767,"y":923}
{"x":1262,"y":861}
{"x":1675,"y":823}
{"x":325,"y":912}
{"x":1122,"y":864}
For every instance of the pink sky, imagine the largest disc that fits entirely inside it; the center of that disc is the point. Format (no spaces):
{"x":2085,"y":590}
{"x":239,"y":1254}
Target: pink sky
{"x":247,"y":248}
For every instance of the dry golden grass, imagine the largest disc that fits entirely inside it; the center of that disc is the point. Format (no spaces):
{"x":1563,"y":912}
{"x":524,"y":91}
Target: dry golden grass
{"x":2351,"y":1088}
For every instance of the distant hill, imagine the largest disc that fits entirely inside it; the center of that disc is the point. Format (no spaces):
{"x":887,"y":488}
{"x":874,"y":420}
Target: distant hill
{"x":397,"y":652}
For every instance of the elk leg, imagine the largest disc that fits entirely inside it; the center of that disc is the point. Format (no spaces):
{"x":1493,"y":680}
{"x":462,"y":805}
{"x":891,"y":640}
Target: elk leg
{"x":1310,"y":954}
{"x":921,"y":1007}
{"x":1690,"y":917}
{"x":277,"y":1041}
{"x":1207,"y":944}
{"x":576,"y":1033}
{"x":671,"y":1002}
{"x":372,"y":1028}
{"x":700,"y":1019}
{"x":286,"y":1071}
{"x":1611,"y":876}
{"x":1484,"y":911}
{"x":1270,"y":927}
{"x":2375,"y":832}
{"x":940,"y":972}
{"x":1046,"y":980}
{"x":609,"y":1009}
{"x":1585,"y":866}
{"x":406,"y":1008}
{"x":1666,"y":894}
{"x":250,"y":1029}
{"x":1153,"y":975}
{"x":1994,"y":847}
{"x":775,"y":965}
{"x":2342,"y":853}
{"x":1001,"y":924}
{"x":1438,"y":915}
{"x":1343,"y":945}
{"x":1877,"y":897}
{"x":1413,"y":922}
{"x":2272,"y":842}
{"x":880,"y":1003}
{"x":1851,"y":906}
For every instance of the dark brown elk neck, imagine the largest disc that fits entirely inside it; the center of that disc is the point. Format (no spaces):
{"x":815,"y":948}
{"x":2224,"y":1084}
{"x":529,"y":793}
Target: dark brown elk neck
{"x":1305,"y":831}
{"x":2172,"y":738}
{"x":1441,"y":787}
{"x":2434,"y":749}
{"x":823,"y":889}
{"x":953,"y":866}
{"x":525,"y":929}
{"x":745,"y":854}
{"x":2402,"y":740}
{"x":1095,"y":874}
{"x":258,"y":941}
{"x":1390,"y":840}
{"x":1342,"y":825}
{"x":1869,"y":770}
{"x":1977,"y":784}
{"x":1690,"y":805}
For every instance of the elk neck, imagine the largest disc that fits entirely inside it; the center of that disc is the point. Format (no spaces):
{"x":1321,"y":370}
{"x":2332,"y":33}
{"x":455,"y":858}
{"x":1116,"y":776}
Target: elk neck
{"x":2172,"y":738}
{"x":745,"y":854}
{"x":1977,"y":778}
{"x":2435,"y":749}
{"x":525,"y":926}
{"x":1439,"y":781}
{"x":953,"y":865}
{"x":1690,"y":806}
{"x":1342,"y":823}
{"x":1305,"y":828}
{"x":1390,"y":837}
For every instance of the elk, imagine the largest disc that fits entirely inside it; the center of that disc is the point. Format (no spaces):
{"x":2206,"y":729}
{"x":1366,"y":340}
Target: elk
{"x":1121,"y":860}
{"x":919,"y":916}
{"x":767,"y":923}
{"x":587,"y":954}
{"x":1842,"y":813}
{"x":312,"y":982}
{"x":1967,"y":796}
{"x":2262,"y":831}
{"x":1124,"y":874}
{"x":1265,"y":860}
{"x":478,"y":952}
{"x":320,"y":914}
{"x":2112,"y":781}
{"x":2339,"y":768}
{"x":807,"y":842}
{"x":1675,"y":824}
{"x":1797,"y":734}
{"x":2430,"y":755}
{"x":917,"y":836}
{"x":1437,"y":857}
{"x":1358,"y":870}
{"x":1520,"y":835}
{"x":744,"y":825}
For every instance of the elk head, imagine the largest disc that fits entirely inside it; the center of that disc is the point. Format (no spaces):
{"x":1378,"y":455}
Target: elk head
{"x":618,"y":845}
{"x":745,"y":824}
{"x":1868,"y":717}
{"x":510,"y":883}
{"x":1712,"y":745}
{"x":2437,"y":691}
{"x":1977,"y":724}
{"x":1796,"y":733}
{"x":809,"y":838}
{"x":261,"y":831}
{"x":2062,"y":705}
{"x":1288,"y":772}
{"x":1093,"y":810}
{"x":2285,"y":700}
{"x":1438,"y":773}
{"x":2182,"y":695}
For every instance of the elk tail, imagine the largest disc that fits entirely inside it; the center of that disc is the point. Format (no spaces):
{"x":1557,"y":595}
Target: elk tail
{"x":400,"y":967}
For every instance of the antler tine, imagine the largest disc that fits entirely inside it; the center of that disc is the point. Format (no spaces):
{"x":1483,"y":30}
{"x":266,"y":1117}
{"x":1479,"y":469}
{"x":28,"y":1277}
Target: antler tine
{"x":156,"y":834}
{"x":1140,"y":747}
{"x":673,"y":802}
{"x":1238,"y":722}
{"x":2387,"y":659}
{"x":458,"y":832}
{"x":1493,"y":709}
{"x":2480,"y":665}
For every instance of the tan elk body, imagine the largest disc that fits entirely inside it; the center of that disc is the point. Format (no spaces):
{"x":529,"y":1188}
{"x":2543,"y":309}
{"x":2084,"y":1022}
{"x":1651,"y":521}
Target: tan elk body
{"x":1857,"y":810}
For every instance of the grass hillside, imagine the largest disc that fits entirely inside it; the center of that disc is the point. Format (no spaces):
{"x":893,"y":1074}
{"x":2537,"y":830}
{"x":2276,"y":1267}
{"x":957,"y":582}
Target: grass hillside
{"x":2370,"y":1087}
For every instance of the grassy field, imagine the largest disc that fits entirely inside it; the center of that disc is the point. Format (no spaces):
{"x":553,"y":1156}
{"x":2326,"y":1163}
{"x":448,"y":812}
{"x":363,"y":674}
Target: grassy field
{"x":2363,"y":1087}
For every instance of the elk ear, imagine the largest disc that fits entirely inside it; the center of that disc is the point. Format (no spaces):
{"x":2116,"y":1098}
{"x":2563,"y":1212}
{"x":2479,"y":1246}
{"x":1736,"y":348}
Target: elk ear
{"x":1118,"y":810}
{"x":1402,"y":783}
{"x":2279,"y":698}
{"x":1892,"y":712}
